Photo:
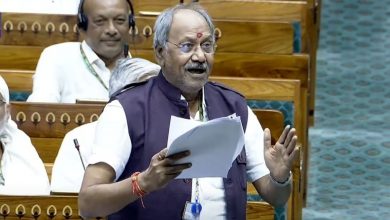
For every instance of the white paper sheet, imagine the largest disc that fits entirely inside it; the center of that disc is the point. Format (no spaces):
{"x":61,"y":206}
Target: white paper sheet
{"x":214,"y":144}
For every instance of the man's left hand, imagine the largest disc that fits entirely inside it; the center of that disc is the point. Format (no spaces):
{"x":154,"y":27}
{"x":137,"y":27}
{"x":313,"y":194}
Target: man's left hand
{"x":280,"y":157}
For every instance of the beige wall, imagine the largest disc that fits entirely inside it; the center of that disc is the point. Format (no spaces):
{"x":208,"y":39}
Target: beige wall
{"x":40,"y":6}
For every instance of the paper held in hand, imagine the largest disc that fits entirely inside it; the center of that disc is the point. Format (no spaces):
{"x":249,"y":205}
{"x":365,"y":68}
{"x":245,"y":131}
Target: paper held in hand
{"x":214,"y":144}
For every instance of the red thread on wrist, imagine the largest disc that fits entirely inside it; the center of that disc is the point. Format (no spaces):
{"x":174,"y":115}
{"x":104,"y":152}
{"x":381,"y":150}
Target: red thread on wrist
{"x":136,"y":188}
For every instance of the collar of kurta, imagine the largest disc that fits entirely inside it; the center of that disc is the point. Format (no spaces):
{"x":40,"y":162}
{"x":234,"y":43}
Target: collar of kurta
{"x":92,"y":57}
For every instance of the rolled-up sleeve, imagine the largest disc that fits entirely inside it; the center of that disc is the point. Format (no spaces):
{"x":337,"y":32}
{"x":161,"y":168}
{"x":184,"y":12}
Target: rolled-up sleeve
{"x":112,"y":144}
{"x":254,"y":146}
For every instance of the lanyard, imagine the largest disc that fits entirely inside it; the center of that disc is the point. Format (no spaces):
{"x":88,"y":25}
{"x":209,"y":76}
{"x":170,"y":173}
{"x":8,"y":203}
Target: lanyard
{"x":197,"y":207}
{"x":90,"y":68}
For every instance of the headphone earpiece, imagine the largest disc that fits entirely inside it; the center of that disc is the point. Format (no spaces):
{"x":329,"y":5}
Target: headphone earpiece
{"x":131,"y":16}
{"x":82,"y":19}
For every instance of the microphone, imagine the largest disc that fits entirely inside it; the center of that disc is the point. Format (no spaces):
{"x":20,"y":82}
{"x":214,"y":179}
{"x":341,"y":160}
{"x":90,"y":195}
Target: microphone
{"x":77,"y":146}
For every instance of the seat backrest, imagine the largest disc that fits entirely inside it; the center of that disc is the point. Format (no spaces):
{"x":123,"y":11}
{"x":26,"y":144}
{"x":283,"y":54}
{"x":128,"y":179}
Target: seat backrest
{"x":263,"y":10}
{"x":25,"y":36}
{"x":39,"y":207}
{"x":47,"y":123}
{"x":272,"y":119}
{"x":287,"y":90}
{"x":18,"y":80}
{"x":259,"y":210}
{"x":62,"y":207}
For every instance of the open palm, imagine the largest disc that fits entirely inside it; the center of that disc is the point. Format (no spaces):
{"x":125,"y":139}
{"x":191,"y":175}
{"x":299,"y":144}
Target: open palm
{"x":280,"y":157}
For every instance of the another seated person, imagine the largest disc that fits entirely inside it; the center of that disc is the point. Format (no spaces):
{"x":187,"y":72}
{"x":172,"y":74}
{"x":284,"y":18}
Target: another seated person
{"x":21,"y":169}
{"x":68,"y":170}
{"x":70,"y":71}
{"x":129,"y":169}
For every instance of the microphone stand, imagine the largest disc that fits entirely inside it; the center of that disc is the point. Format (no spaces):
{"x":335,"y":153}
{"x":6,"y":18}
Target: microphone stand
{"x":77,"y":146}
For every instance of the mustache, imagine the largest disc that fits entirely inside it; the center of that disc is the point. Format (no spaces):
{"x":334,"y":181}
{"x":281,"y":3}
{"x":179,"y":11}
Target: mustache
{"x":200,"y":66}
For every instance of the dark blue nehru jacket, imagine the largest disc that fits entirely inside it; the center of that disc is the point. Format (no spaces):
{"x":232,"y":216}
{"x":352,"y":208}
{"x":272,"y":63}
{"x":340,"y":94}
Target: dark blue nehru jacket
{"x":148,"y":110}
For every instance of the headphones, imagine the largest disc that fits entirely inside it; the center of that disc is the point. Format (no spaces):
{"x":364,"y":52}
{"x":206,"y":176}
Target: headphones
{"x":82,"y":19}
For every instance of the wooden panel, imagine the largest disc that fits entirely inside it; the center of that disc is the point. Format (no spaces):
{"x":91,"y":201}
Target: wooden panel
{"x":61,"y":207}
{"x":18,"y":80}
{"x":44,"y":123}
{"x":47,"y":148}
{"x":233,"y":9}
{"x":314,"y":16}
{"x":50,"y":29}
{"x":239,"y":64}
{"x":262,"y":89}
{"x":255,"y":37}
{"x":272,"y":119}
{"x":259,"y":211}
{"x":260,"y":10}
{"x":264,"y":66}
{"x":51,"y":119}
{"x":65,"y":207}
{"x":49,"y":169}
{"x":19,"y":57}
{"x":236,"y":36}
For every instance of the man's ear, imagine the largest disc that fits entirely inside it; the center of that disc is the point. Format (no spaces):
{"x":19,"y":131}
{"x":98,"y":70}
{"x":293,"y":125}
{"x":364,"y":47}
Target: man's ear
{"x":160,"y":55}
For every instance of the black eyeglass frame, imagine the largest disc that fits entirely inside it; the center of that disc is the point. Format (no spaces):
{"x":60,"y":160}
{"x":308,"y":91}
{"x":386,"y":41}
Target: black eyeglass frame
{"x":182,"y":48}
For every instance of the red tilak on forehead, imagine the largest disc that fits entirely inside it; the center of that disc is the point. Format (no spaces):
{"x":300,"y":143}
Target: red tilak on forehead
{"x":199,"y":35}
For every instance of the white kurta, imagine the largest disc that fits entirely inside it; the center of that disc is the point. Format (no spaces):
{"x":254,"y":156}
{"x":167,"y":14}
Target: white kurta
{"x":67,"y":174}
{"x":62,"y":75}
{"x":22,"y":168}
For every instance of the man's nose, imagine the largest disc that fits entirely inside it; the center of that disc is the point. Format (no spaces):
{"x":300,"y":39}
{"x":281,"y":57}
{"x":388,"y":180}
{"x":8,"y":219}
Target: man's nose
{"x":111,"y":28}
{"x":198,"y":54}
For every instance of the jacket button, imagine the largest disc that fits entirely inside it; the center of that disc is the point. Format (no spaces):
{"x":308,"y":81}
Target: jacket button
{"x":187,"y":180}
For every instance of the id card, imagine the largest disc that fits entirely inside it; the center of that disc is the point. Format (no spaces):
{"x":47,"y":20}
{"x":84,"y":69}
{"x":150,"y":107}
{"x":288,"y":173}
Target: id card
{"x":192,"y":211}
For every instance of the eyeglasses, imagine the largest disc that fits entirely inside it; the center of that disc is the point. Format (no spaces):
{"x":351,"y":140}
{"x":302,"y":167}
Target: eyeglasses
{"x":188,"y":47}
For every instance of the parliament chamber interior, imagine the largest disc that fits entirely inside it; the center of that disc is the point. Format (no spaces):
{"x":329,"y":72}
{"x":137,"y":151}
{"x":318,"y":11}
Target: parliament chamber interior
{"x":317,"y":65}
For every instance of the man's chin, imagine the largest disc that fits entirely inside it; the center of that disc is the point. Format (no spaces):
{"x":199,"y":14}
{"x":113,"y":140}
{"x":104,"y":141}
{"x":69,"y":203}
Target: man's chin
{"x":198,"y":80}
{"x":111,"y":53}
